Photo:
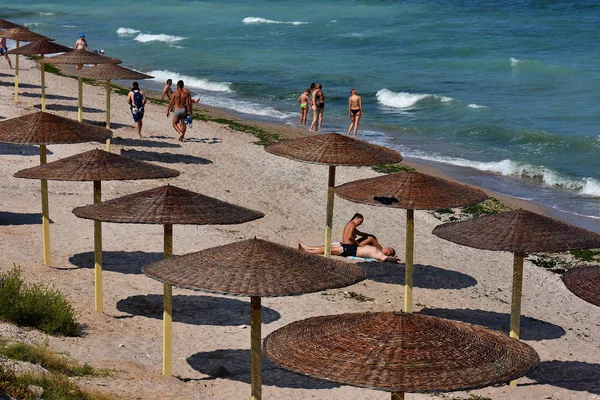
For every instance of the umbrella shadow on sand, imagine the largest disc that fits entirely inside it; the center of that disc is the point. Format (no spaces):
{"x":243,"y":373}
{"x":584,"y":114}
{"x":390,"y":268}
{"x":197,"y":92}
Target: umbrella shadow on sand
{"x":196,"y":309}
{"x":425,"y":276}
{"x":62,"y":107}
{"x":6,"y":75}
{"x":169,"y":158}
{"x":234,"y":364}
{"x":531,"y":328}
{"x":21,"y":85}
{"x":125,"y":262}
{"x":142,"y":143}
{"x":572,"y":375}
{"x":9,"y":218}
{"x":8,"y":149}
{"x":48,"y":96}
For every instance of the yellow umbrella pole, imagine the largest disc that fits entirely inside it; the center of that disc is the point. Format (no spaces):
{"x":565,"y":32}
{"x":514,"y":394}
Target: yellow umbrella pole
{"x":17,"y":75}
{"x":168,"y":309}
{"x":410,"y":247}
{"x":45,"y":210}
{"x":108,"y":113}
{"x":98,"y":251}
{"x":42,"y":65}
{"x":80,"y":99}
{"x":397,"y":396}
{"x":255,"y":348}
{"x":515,"y":308}
{"x":329,"y":220}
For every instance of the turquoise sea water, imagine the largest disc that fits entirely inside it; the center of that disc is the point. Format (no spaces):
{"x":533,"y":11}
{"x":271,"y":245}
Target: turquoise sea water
{"x":505,"y":95}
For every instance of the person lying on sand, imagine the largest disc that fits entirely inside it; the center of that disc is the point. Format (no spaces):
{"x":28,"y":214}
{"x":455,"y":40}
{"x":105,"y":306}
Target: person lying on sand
{"x":352,"y":235}
{"x":386,"y":254}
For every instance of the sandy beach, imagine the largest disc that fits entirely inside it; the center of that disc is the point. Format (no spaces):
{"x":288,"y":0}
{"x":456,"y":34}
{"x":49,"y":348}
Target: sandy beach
{"x":212,"y":331}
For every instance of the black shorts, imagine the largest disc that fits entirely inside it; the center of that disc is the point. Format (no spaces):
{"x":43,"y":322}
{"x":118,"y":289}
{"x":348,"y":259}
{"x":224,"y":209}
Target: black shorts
{"x":349,"y":250}
{"x":137,"y":113}
{"x":3,"y":50}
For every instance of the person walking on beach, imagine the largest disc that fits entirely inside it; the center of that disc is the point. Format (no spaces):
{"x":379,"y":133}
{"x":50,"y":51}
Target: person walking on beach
{"x":3,"y":50}
{"x":137,"y":100}
{"x":355,"y":110}
{"x":81,"y":44}
{"x":167,"y":90}
{"x":304,"y":100}
{"x":181,"y":104}
{"x":318,"y":106}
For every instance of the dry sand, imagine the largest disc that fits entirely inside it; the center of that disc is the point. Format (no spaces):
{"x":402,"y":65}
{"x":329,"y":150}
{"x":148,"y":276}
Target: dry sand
{"x":212,"y":331}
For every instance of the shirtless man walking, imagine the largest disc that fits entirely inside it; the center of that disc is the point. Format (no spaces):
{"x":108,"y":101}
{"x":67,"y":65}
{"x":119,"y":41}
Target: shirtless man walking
{"x":181,"y":104}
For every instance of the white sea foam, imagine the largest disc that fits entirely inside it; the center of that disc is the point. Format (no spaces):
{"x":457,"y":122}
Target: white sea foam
{"x":28,"y":24}
{"x":147,"y":37}
{"x":69,"y":26}
{"x":406,"y":100}
{"x":248,"y":107}
{"x":43,"y":13}
{"x":473,"y":105}
{"x":258,"y":20}
{"x":190,"y":81}
{"x":127,"y":31}
{"x":514,"y":62}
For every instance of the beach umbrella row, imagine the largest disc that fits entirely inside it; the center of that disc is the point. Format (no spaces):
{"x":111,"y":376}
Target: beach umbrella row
{"x":584,"y":282}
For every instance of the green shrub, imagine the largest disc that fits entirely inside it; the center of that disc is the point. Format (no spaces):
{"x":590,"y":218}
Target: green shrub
{"x":488,"y":207}
{"x":36,"y":305}
{"x":392,"y":168}
{"x":264,"y":138}
{"x":585,"y":255}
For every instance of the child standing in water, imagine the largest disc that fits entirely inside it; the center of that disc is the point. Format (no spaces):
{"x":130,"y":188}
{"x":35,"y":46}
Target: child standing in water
{"x":304,"y":100}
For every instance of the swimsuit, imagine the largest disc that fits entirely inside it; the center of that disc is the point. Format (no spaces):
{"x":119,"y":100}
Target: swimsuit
{"x":180,"y":112}
{"x":349,"y":250}
{"x":355,"y":111}
{"x":3,"y":50}
{"x":303,"y":105}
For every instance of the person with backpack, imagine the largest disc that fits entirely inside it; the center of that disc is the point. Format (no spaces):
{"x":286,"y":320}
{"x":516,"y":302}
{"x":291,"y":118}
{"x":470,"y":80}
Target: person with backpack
{"x":137,"y":101}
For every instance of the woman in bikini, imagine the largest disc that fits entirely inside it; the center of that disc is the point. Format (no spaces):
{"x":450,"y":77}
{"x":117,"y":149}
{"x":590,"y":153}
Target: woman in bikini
{"x":355,"y":110}
{"x":304,"y":100}
{"x":318,"y":106}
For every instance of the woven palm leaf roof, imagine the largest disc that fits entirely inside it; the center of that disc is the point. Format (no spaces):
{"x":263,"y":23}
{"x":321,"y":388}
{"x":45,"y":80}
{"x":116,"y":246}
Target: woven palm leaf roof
{"x":168,"y":205}
{"x":80,"y":56}
{"x":518,"y":231}
{"x":111,"y":71}
{"x":22,"y":34}
{"x":40,"y":46}
{"x":334,"y":149}
{"x":255,"y":267}
{"x":4,"y":24}
{"x":97,"y":165}
{"x":46,"y":128}
{"x":584,"y":282}
{"x":399,"y":352}
{"x":412,"y":190}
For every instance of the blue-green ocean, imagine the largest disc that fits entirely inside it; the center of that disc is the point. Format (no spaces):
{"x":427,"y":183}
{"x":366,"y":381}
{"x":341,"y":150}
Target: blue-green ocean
{"x":501,"y":94}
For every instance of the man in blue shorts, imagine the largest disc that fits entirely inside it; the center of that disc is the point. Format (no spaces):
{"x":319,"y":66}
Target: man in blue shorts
{"x":137,"y":100}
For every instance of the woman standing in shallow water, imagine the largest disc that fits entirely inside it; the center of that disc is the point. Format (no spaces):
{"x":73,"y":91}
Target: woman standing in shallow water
{"x":304,"y":101}
{"x":318,"y":106}
{"x":355,"y":110}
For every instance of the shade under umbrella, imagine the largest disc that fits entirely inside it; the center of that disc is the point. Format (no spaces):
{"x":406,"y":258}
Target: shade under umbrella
{"x":399,"y":352}
{"x":412,"y":191}
{"x":20,"y":34}
{"x":334,"y":149}
{"x":43,"y":128}
{"x":168,"y":205}
{"x":584,"y":282}
{"x":517,"y":231}
{"x":255,"y":268}
{"x":97,"y":166}
{"x":41,"y":47}
{"x":108,"y":72}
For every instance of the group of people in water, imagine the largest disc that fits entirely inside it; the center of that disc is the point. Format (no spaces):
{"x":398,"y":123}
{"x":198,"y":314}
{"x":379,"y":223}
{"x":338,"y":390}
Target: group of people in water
{"x":315,"y":98}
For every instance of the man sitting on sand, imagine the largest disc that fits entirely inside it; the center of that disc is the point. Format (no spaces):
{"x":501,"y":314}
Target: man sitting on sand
{"x":352,"y":235}
{"x":181,"y":104}
{"x":386,"y":254}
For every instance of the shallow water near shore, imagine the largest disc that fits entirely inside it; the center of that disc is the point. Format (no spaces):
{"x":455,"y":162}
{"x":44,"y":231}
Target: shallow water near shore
{"x":504,"y":96}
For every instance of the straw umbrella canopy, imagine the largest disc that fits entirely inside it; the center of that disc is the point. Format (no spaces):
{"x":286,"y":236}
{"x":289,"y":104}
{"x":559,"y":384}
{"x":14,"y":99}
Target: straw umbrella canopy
{"x":20,"y":34}
{"x":42,"y":129}
{"x":255,"y":268}
{"x":41,"y":47}
{"x":333,"y":149}
{"x":97,"y":166}
{"x":4,"y":24}
{"x":168,"y":205}
{"x":399,"y":352}
{"x":584,"y":282}
{"x":80,"y":57}
{"x":411,"y":191}
{"x":517,"y":231}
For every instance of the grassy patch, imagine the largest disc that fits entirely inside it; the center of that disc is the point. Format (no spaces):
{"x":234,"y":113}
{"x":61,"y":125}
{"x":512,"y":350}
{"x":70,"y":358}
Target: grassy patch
{"x":361,"y":298}
{"x":264,"y":138}
{"x":552,"y":263}
{"x":36,"y":305}
{"x":392,"y":168}
{"x":586,"y":255}
{"x":488,"y":207}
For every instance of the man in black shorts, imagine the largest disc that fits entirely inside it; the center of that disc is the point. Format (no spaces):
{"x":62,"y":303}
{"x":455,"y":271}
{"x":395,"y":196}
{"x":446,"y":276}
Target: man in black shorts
{"x":137,"y":100}
{"x":386,"y":254}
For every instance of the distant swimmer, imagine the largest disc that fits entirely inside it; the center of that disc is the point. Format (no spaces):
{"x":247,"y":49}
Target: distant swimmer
{"x":167,"y":90}
{"x":137,"y":100}
{"x":181,"y":104}
{"x":355,"y":110}
{"x":3,"y":50}
{"x":304,"y":100}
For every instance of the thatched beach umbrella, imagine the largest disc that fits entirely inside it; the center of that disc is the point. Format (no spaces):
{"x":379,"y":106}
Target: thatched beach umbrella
{"x":519,"y":232}
{"x":167,"y":206}
{"x":411,"y":191}
{"x":399,"y":352}
{"x":41,"y":47}
{"x":80,"y":56}
{"x":97,"y":166}
{"x":584,"y":282}
{"x":334,"y":150}
{"x":20,"y":34}
{"x":255,"y":268}
{"x":42,"y":129}
{"x":4,"y":24}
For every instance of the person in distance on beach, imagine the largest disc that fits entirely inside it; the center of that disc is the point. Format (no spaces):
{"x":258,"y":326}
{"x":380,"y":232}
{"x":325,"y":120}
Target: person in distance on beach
{"x":387,"y":254}
{"x":181,"y":104}
{"x":3,"y":50}
{"x":304,"y":100}
{"x":318,"y":106}
{"x":137,"y":100}
{"x":355,"y":110}
{"x":81,"y":44}
{"x":167,"y":90}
